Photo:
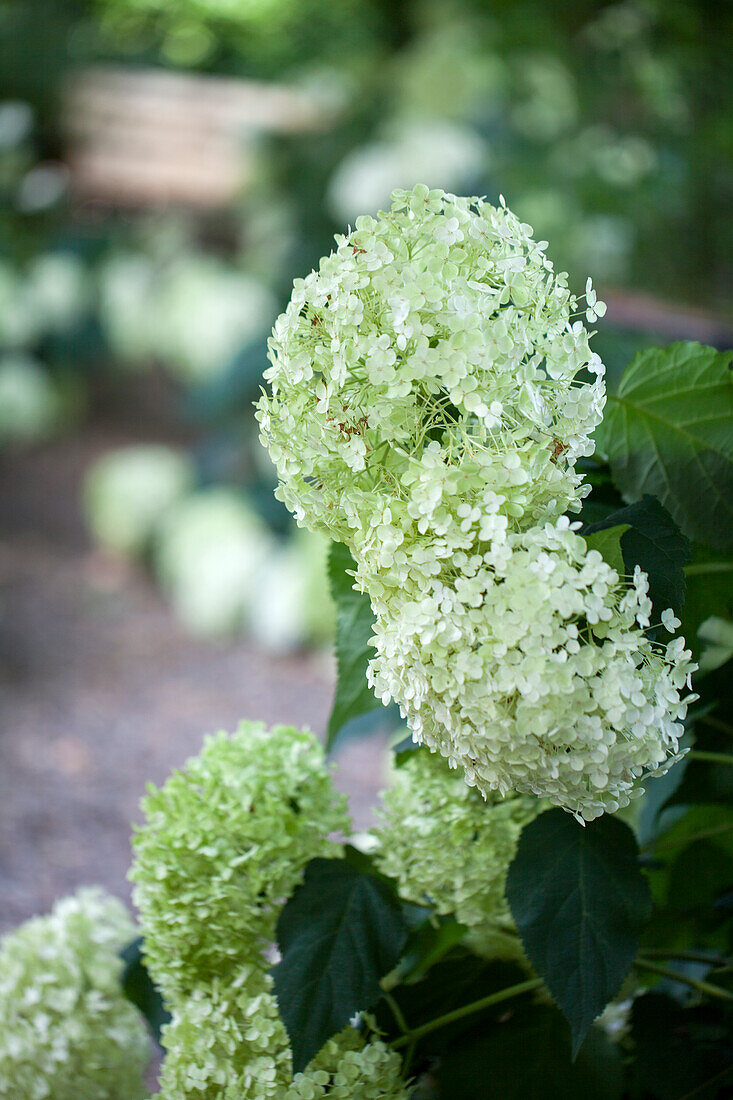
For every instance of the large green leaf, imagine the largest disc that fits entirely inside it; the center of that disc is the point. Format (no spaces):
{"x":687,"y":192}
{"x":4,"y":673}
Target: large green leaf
{"x":668,"y":431}
{"x":709,"y":593}
{"x":339,"y":934}
{"x":648,"y":537}
{"x":579,"y":901}
{"x":606,"y":539}
{"x":526,"y":1055}
{"x":354,"y":627}
{"x":140,"y":989}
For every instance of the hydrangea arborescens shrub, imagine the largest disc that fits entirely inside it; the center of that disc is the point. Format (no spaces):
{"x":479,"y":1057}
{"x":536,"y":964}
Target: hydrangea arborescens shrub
{"x":427,"y":407}
{"x":224,"y":846}
{"x":449,"y":848}
{"x":431,"y":362}
{"x":68,"y":1033}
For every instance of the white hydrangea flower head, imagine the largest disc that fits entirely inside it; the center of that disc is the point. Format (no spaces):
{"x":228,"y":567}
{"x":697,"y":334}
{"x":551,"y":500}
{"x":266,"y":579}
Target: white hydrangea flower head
{"x":530,"y":670}
{"x":435,"y":352}
{"x":68,"y":1032}
{"x":229,"y":1043}
{"x":224,"y":846}
{"x":449,"y":848}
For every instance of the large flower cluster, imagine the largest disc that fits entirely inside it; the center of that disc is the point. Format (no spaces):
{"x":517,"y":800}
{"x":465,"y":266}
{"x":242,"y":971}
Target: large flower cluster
{"x":427,"y":407}
{"x":223,"y":848}
{"x":532,"y":671}
{"x":230,"y":1044}
{"x":432,"y":354}
{"x":450,"y":849}
{"x":68,"y":1033}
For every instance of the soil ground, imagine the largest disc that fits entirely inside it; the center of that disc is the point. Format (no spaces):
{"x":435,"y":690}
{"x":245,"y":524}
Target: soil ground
{"x":101,"y":690}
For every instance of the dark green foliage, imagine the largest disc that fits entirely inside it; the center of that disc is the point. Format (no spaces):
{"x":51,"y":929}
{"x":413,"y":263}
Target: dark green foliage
{"x":339,"y":934}
{"x":525,"y":1055}
{"x":681,"y":1052}
{"x":652,"y":540}
{"x":354,"y":624}
{"x":140,"y":989}
{"x":579,"y":901}
{"x":668,"y":431}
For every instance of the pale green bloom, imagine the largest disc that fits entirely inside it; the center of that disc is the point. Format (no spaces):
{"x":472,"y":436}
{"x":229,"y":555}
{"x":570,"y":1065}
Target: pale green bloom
{"x":224,"y":846}
{"x":530,"y":670}
{"x":433,"y":355}
{"x":29,"y":403}
{"x":228,"y":1043}
{"x":128,"y":492}
{"x":447,"y":846}
{"x":68,"y":1033}
{"x":208,"y":553}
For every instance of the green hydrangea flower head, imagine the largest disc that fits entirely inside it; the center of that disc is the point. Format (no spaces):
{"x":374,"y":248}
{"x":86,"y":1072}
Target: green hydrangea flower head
{"x":447,"y":846}
{"x":433,"y":361}
{"x":68,"y":1032}
{"x":226,"y":1040}
{"x":224,"y":846}
{"x":229,"y":1043}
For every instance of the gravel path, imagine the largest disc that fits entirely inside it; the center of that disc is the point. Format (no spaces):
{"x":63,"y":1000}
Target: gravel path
{"x":101,"y":691}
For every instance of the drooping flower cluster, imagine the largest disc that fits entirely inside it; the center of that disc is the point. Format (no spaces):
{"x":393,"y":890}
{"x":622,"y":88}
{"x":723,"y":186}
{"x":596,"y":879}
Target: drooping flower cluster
{"x":68,"y":1033}
{"x":427,"y":407}
{"x":531,"y":670}
{"x":450,"y":849}
{"x":225,"y":845}
{"x":432,"y":354}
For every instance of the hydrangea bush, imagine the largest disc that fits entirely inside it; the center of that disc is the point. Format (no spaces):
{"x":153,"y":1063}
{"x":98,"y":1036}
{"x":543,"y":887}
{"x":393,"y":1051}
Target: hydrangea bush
{"x":507,"y":929}
{"x":68,"y":1033}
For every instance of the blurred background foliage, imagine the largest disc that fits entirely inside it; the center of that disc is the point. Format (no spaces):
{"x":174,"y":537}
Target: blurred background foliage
{"x":607,"y":126}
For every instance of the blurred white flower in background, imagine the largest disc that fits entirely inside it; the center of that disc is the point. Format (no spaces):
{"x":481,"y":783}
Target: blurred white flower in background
{"x":128,"y":493}
{"x":193,"y":314}
{"x":439,"y":154}
{"x":29,"y":402}
{"x":209,"y":552}
{"x":291,"y":603}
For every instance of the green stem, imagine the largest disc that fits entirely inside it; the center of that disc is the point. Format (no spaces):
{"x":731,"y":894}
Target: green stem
{"x":672,"y":842}
{"x":716,"y":724}
{"x":674,"y":975}
{"x":687,"y":956}
{"x":397,"y":1013}
{"x":711,"y":757}
{"x":467,"y":1010}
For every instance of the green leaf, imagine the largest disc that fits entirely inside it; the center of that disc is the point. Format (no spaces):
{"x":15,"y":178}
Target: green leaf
{"x":426,"y":946}
{"x":680,"y":1052}
{"x":339,"y":934}
{"x":607,"y":541}
{"x":704,"y":782}
{"x":668,"y":431}
{"x":138,"y":987}
{"x":526,"y":1055}
{"x":579,"y":901}
{"x":653,"y":541}
{"x":709,"y":579}
{"x":354,"y":628}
